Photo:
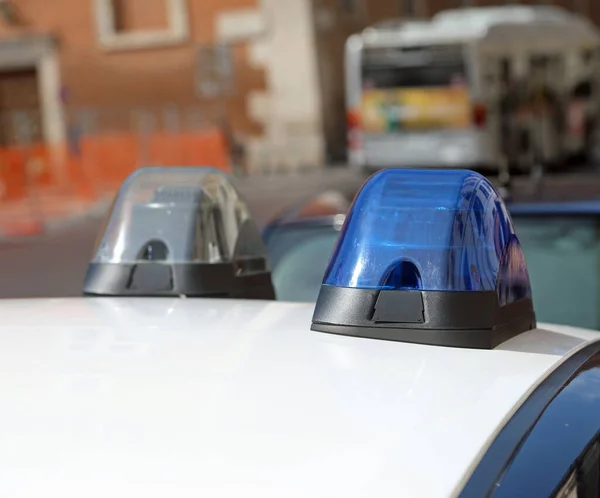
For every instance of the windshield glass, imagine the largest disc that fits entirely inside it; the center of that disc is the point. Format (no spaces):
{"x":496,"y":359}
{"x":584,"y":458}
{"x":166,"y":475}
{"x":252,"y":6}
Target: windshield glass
{"x":413,"y":67}
{"x":563,"y":260}
{"x":298,"y":258}
{"x":380,"y":77}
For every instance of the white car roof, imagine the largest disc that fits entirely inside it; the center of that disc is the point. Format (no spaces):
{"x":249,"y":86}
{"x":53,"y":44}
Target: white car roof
{"x":223,"y":398}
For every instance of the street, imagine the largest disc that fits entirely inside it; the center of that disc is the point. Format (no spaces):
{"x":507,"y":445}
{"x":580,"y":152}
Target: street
{"x":54,"y":265}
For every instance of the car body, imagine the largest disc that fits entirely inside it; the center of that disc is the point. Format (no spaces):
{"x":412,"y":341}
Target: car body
{"x":560,"y":239}
{"x":214,"y":397}
{"x":149,"y":387}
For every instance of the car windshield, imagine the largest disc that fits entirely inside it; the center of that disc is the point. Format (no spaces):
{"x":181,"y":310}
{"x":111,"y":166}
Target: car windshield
{"x":413,"y":77}
{"x":414,"y":67}
{"x":299,"y":256}
{"x":562,"y":252}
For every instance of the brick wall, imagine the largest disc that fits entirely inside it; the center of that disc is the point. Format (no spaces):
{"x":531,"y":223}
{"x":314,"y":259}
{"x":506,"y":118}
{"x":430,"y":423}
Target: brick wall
{"x":97,"y":77}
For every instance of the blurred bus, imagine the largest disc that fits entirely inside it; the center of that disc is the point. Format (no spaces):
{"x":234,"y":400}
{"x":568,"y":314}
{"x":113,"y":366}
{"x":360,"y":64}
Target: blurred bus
{"x":473,"y":88}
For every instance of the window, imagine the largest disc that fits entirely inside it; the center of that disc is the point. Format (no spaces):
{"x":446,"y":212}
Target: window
{"x":408,"y":7}
{"x":546,"y":69}
{"x":414,"y":77}
{"x":587,"y":56}
{"x":584,"y":480}
{"x":139,"y":24}
{"x":415,"y":67}
{"x":588,"y":472}
{"x":352,"y":10}
{"x":298,"y":275}
{"x":551,"y":445}
{"x":291,"y":249}
{"x":506,"y":71}
{"x":424,"y":66}
{"x":136,"y":15}
{"x":214,"y":74}
{"x":569,"y":489}
{"x":350,"y":6}
{"x":570,"y":245}
{"x":582,"y":7}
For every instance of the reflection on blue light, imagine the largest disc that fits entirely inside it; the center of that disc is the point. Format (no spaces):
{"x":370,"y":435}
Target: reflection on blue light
{"x":429,"y":230}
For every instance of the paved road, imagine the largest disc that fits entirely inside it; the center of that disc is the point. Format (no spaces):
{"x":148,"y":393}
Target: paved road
{"x":54,"y":265}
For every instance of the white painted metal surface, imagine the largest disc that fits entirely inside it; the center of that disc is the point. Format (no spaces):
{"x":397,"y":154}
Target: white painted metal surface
{"x":161,"y":397}
{"x":526,"y":23}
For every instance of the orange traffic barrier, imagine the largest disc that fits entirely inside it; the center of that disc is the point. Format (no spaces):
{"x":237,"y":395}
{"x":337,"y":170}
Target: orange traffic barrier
{"x":38,"y":164}
{"x":108,"y":159}
{"x":13,"y":176}
{"x":104,"y":161}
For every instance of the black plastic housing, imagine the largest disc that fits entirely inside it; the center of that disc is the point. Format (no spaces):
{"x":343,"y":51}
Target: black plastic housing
{"x":456,"y":319}
{"x":159,"y":279}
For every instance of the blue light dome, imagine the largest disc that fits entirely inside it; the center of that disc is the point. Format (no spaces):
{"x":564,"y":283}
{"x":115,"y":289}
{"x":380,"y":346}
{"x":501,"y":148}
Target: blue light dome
{"x":430,"y":230}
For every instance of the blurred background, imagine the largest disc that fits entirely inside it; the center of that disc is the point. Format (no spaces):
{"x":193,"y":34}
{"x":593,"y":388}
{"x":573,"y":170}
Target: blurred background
{"x":297,"y":99}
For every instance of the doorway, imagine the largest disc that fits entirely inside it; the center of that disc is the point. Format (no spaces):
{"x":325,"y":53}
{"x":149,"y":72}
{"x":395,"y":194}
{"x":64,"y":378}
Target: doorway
{"x":20,"y":108}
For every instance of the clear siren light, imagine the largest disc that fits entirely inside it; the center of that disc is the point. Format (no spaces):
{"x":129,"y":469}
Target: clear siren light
{"x":179,"y":232}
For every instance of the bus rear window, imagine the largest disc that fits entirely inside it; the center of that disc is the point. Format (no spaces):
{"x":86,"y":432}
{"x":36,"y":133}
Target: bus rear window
{"x":381,"y":77}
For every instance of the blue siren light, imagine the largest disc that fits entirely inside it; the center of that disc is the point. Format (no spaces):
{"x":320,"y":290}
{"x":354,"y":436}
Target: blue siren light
{"x":427,"y":256}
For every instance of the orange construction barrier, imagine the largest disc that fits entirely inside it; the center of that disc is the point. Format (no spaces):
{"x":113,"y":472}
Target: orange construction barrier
{"x":38,"y":165}
{"x":104,"y":161}
{"x":13,"y":176}
{"x":109,"y":159}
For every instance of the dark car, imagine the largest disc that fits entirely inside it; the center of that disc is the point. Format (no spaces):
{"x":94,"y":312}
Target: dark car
{"x":561,"y":241}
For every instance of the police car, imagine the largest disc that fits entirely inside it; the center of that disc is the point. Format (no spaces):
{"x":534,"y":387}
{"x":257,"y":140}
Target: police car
{"x":421,"y":370}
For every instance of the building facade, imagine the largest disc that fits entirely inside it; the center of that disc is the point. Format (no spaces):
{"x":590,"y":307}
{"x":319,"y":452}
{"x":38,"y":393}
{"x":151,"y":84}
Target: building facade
{"x":248,"y":63}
